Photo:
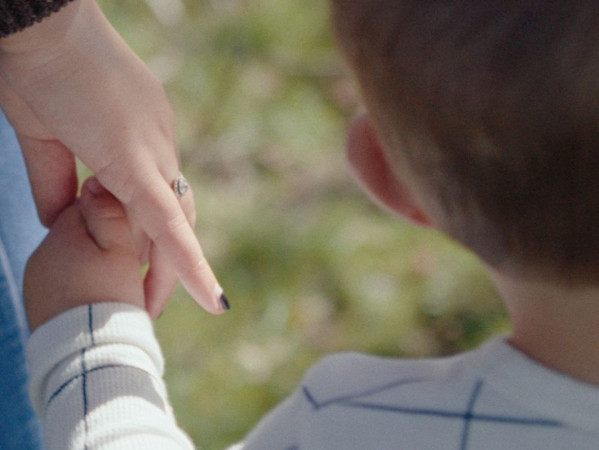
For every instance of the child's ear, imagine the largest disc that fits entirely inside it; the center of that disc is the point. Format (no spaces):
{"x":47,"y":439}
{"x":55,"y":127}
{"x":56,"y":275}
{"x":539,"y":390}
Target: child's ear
{"x":375,"y":173}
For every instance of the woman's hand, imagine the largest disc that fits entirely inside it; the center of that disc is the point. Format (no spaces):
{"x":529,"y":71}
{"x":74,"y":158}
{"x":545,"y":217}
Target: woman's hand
{"x":71,"y":86}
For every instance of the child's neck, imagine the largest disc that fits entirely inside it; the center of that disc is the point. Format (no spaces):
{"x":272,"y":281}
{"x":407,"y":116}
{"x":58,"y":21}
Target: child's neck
{"x":556,"y":326}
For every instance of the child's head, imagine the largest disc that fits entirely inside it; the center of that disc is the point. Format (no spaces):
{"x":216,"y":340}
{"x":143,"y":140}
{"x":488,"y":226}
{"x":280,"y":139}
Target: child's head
{"x":491,"y":109}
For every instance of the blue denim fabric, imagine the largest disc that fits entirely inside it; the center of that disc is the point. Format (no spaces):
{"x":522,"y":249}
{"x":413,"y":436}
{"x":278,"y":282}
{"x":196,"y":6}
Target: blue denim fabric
{"x":20,"y":233}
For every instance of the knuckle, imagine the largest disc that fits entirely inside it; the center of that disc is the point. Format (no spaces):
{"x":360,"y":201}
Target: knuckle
{"x":177,"y":224}
{"x":173,"y":227}
{"x":198,"y":270}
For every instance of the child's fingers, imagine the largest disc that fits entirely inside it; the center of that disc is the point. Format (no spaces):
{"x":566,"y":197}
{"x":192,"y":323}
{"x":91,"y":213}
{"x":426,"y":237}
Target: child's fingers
{"x":161,"y":279}
{"x":105,"y":217}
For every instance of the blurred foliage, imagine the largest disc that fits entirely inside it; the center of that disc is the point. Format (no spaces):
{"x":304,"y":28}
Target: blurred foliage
{"x":310,"y":266}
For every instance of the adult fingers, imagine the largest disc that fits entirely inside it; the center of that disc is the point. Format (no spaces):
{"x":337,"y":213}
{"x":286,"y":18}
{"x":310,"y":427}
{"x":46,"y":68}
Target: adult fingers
{"x":52,"y":174}
{"x":161,"y":278}
{"x":152,"y":203}
{"x":159,"y":283}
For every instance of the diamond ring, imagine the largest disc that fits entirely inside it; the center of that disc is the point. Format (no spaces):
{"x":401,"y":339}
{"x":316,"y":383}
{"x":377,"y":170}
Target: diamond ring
{"x":180,"y":185}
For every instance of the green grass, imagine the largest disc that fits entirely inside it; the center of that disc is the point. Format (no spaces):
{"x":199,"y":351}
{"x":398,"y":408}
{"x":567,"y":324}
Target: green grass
{"x":310,"y":266}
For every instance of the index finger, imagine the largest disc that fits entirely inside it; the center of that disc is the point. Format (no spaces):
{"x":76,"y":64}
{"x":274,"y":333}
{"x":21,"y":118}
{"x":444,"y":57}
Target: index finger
{"x":154,"y":205}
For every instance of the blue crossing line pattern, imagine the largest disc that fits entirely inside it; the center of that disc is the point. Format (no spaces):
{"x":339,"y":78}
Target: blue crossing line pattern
{"x":467,"y":416}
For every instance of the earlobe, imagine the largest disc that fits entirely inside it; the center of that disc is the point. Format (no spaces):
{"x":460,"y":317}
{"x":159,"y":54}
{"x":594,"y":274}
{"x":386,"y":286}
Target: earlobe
{"x":375,"y":173}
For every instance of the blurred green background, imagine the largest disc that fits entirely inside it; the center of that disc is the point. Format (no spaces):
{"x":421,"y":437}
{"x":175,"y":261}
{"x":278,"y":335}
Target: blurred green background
{"x":311,"y":267}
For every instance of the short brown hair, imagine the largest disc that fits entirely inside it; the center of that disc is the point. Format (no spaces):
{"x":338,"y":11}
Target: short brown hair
{"x":494,"y":106}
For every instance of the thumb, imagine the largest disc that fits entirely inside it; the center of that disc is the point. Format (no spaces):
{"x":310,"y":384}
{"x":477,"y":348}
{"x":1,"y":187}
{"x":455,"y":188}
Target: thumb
{"x":105,"y":218}
{"x":52,"y":174}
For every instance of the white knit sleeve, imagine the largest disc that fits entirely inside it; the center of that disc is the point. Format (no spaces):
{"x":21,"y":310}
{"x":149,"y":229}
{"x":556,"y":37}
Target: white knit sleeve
{"x":96,"y":381}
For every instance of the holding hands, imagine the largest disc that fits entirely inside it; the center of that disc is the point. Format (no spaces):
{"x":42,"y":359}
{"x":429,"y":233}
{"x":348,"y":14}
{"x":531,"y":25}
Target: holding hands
{"x":72,"y":87}
{"x":89,"y":256}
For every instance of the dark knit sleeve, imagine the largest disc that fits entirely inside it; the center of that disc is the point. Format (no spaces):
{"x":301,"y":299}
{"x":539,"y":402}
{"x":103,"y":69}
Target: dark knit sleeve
{"x":15,"y":15}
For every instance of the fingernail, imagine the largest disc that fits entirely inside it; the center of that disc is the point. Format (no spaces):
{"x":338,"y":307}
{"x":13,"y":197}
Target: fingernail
{"x":94,"y":186}
{"x":224,"y":302}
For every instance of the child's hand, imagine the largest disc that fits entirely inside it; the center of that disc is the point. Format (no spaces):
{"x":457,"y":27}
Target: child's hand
{"x":88,"y":257}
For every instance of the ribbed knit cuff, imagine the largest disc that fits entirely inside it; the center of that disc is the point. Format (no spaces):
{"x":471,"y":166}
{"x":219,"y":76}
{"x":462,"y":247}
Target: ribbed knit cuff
{"x":88,"y":327}
{"x":16,"y":15}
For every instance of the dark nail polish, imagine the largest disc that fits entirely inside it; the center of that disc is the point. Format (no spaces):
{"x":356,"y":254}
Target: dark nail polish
{"x":224,"y":302}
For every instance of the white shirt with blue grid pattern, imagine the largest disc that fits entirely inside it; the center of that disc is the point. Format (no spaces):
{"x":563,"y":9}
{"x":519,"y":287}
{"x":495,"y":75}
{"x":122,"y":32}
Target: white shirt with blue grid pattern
{"x":97,"y":384}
